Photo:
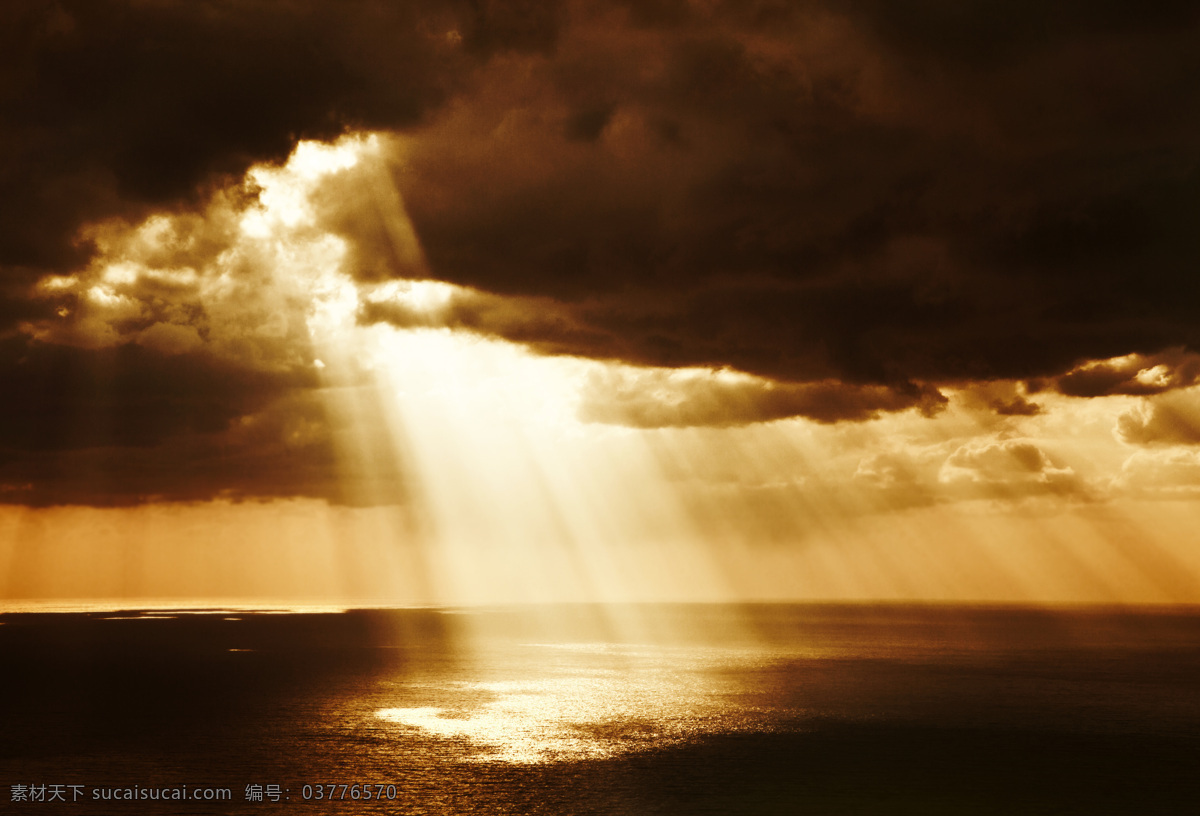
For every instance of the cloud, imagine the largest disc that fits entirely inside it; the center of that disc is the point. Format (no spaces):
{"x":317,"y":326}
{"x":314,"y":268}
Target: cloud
{"x":64,"y":397}
{"x":831,"y":194}
{"x":1133,"y":374}
{"x":114,"y":106}
{"x":542,"y":324}
{"x":1011,"y":467}
{"x":1168,"y":473}
{"x":294,"y":444}
{"x":803,"y":192}
{"x":170,"y":338}
{"x":1170,"y":419}
{"x":657,"y":398}
{"x":179,"y":363}
{"x":1003,"y":473}
{"x":1001,"y":398}
{"x":851,"y":205}
{"x":901,"y":477}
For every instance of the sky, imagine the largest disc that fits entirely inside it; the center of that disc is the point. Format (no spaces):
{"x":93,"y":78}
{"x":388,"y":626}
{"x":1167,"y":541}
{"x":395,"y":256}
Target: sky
{"x":467,"y":302}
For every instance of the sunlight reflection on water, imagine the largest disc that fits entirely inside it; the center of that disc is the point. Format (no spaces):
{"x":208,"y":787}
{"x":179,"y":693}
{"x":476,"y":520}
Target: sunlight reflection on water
{"x":796,"y":709}
{"x":594,"y":701}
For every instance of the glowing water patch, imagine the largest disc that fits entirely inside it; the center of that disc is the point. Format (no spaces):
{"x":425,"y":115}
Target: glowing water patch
{"x":639,"y":699}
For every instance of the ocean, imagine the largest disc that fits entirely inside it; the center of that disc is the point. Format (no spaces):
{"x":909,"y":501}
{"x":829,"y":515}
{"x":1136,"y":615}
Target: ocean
{"x":589,"y":709}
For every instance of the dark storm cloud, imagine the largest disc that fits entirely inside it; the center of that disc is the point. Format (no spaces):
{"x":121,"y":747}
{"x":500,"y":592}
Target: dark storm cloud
{"x":128,"y":424}
{"x":943,"y":192}
{"x":1134,"y":374}
{"x":60,"y":397}
{"x":114,"y":425}
{"x":112,"y":106}
{"x":947,"y":192}
{"x":292,"y":446}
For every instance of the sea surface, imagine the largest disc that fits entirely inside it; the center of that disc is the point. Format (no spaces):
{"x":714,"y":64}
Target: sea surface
{"x":677,"y":709}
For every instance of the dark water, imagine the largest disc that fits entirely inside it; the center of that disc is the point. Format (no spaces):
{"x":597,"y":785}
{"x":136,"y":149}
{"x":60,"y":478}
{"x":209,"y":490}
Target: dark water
{"x":588,"y":710}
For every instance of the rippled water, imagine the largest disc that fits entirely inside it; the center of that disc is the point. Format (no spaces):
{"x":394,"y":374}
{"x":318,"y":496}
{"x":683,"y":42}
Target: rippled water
{"x":588,"y":701}
{"x":563,"y":710}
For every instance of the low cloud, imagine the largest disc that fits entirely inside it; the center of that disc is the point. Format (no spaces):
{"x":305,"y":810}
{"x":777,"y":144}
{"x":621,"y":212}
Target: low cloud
{"x":659,"y":398}
{"x":1168,"y":473}
{"x":901,"y":478}
{"x":1170,"y":419}
{"x":1133,"y":374}
{"x":543,"y":325}
{"x":297,"y":444}
{"x":1003,"y":398}
{"x":1010,"y":467}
